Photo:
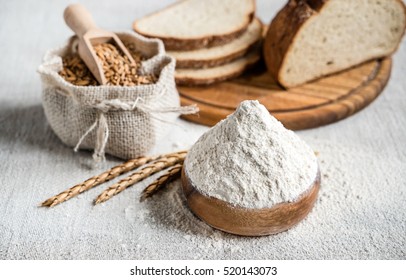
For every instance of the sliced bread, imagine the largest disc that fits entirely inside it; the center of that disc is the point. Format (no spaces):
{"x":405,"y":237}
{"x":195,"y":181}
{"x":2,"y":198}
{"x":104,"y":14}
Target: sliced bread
{"x":206,"y":76}
{"x":194,"y":24}
{"x":214,"y":56}
{"x":309,"y":39}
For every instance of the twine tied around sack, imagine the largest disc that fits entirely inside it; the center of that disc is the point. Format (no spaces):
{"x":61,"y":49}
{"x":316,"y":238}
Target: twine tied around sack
{"x":102,"y":132}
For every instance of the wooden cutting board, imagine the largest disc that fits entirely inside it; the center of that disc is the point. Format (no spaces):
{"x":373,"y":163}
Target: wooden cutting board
{"x":322,"y":102}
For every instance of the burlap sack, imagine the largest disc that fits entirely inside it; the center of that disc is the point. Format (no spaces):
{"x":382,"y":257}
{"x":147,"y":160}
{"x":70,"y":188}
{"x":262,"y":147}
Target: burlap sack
{"x":123,"y":121}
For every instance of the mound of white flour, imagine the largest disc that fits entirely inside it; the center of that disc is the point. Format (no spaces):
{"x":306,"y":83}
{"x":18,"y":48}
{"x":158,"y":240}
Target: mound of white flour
{"x":251,"y":160}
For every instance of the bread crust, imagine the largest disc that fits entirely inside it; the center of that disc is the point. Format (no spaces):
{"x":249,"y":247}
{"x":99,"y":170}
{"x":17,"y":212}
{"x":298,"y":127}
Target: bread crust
{"x":208,"y":63}
{"x":175,"y":44}
{"x":284,"y":28}
{"x":181,"y":44}
{"x":316,"y":4}
{"x":282,"y":32}
{"x":200,"y":82}
{"x":196,"y":64}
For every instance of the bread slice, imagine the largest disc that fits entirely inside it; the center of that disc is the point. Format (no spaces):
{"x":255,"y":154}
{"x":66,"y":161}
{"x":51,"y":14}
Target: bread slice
{"x":206,"y":76}
{"x":309,"y":39}
{"x":195,"y":24}
{"x":214,"y":56}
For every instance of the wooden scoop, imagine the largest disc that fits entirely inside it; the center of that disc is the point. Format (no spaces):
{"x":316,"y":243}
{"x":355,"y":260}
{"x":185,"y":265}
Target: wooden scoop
{"x":249,"y":222}
{"x":81,"y":22}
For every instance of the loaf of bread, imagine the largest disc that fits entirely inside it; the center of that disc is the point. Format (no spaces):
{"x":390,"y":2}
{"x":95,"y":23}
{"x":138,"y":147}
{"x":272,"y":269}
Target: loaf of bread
{"x":195,"y":24}
{"x":309,"y":39}
{"x":219,"y":55}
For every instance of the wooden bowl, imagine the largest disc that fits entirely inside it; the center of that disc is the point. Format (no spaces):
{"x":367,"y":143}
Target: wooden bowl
{"x":249,"y":222}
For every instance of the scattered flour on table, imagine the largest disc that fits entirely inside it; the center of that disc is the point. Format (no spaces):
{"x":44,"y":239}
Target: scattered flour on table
{"x":251,"y":160}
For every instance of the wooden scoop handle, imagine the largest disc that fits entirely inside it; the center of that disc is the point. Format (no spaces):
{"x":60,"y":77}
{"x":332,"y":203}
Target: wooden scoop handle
{"x":78,"y":19}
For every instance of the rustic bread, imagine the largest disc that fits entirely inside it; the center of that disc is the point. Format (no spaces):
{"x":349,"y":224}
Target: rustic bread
{"x":214,"y":56}
{"x":194,"y":24}
{"x":206,"y":76}
{"x":309,"y":39}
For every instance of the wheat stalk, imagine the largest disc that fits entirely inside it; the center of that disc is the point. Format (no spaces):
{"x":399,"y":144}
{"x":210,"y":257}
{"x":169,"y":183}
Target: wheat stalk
{"x":99,"y":179}
{"x":140,"y":175}
{"x":96,"y":180}
{"x":170,"y":175}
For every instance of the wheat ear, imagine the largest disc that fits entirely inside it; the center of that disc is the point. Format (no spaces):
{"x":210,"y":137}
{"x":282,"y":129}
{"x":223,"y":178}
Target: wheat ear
{"x":170,"y":175}
{"x":99,"y":179}
{"x":148,"y":170}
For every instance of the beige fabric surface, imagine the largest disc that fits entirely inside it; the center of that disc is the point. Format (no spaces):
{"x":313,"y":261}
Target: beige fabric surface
{"x":360,"y":212}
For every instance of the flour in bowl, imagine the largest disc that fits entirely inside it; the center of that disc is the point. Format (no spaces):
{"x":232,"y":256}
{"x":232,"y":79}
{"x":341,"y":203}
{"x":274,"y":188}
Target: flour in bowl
{"x":251,"y":160}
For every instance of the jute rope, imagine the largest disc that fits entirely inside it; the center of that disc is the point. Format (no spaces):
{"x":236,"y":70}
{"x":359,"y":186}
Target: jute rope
{"x":102,"y":132}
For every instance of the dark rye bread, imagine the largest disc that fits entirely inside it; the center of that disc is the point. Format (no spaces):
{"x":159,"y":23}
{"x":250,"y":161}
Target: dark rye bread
{"x":194,"y":24}
{"x":309,"y":39}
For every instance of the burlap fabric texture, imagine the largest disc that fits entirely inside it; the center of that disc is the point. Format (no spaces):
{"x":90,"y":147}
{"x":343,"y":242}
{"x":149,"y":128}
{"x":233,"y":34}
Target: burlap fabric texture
{"x":122,"y":121}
